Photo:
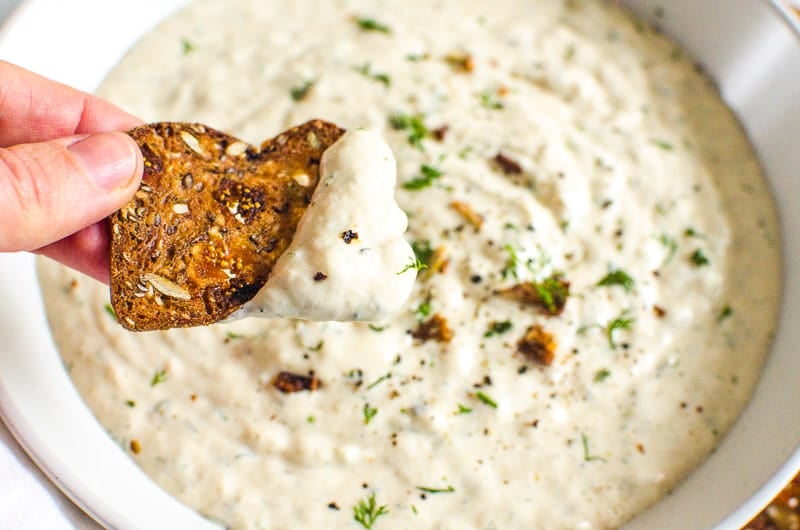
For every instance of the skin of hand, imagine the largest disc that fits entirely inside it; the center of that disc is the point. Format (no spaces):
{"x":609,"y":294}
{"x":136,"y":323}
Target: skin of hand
{"x":65,"y":166}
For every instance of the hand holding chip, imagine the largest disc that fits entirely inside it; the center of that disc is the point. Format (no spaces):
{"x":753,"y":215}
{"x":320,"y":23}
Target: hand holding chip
{"x":63,"y":169}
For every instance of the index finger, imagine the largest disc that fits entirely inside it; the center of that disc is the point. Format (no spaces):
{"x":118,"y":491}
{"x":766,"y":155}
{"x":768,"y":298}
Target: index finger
{"x":36,"y":109}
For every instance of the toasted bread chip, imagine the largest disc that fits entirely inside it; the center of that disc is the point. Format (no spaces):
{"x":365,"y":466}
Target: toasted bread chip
{"x":537,"y":345}
{"x":288,"y":382}
{"x":550,"y":295}
{"x":469,"y":215}
{"x":210,"y":219}
{"x":436,"y":328}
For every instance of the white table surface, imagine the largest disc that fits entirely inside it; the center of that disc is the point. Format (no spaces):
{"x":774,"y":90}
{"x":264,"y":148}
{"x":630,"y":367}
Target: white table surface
{"x":28,"y":501}
{"x":5,"y":7}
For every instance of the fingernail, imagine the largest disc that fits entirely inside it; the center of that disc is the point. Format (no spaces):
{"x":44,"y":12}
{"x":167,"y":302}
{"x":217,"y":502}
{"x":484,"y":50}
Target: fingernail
{"x":110,"y":159}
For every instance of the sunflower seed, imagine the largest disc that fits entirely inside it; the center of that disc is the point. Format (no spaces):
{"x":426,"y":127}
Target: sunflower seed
{"x":302,"y":179}
{"x":313,"y":141}
{"x":193,"y":143}
{"x":166,"y":287}
{"x":236,"y":149}
{"x":187,"y":181}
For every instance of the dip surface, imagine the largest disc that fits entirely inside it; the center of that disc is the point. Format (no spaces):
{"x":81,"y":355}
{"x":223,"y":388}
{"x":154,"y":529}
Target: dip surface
{"x":534,"y":141}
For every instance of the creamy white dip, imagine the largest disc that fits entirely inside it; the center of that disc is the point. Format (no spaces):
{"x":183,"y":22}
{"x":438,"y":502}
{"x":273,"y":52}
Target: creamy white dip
{"x":617,"y":156}
{"x":348,"y":260}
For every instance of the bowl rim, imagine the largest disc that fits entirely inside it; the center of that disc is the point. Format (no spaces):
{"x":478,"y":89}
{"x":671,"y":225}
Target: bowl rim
{"x":73,"y":487}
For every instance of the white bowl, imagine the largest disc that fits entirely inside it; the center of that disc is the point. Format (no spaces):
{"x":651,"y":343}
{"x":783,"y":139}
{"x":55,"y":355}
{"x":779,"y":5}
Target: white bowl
{"x":750,"y":47}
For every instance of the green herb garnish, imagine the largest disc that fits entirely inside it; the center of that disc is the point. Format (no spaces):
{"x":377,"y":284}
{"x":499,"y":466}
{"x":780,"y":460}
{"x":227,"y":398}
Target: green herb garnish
{"x":486,"y":399}
{"x":355,"y":373}
{"x":376,"y":329}
{"x":318,"y":347}
{"x":417,"y":57}
{"x":724,"y":313}
{"x":666,"y":146}
{"x":186,"y":46}
{"x":366,"y":71}
{"x":601,"y":375}
{"x":511,"y":264}
{"x":159,"y":377}
{"x":230,"y":335}
{"x":448,"y":489}
{"x":110,"y":311}
{"x":370,"y":24}
{"x":415,"y":264}
{"x":428,"y":175}
{"x":414,"y":124}
{"x":553,"y":293}
{"x":422,"y":250}
{"x":621,"y":322}
{"x":131,"y":403}
{"x":691,"y":232}
{"x":382,"y":78}
{"x":617,"y":277}
{"x":587,"y":456}
{"x":586,"y":327}
{"x":423,"y":310}
{"x":698,"y":258}
{"x":380,"y":380}
{"x":369,"y":413}
{"x":670,"y":244}
{"x":302,"y":90}
{"x":463,"y":410}
{"x":490,"y":101}
{"x":498,"y":328}
{"x":311,"y":419}
{"x":367,"y":511}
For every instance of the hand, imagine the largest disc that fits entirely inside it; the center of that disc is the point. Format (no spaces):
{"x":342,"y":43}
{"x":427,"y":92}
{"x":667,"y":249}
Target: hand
{"x":62,"y":170}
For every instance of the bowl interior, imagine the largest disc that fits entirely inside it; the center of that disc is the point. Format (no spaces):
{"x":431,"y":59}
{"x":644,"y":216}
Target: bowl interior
{"x":749,"y":48}
{"x":752,"y":50}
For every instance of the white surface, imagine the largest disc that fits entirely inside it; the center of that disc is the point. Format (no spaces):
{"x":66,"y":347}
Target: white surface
{"x":752,"y":54}
{"x":30,"y":501}
{"x":756,"y":63}
{"x":5,"y":8}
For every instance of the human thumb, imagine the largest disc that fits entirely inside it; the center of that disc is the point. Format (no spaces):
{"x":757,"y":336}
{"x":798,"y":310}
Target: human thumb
{"x":52,"y":189}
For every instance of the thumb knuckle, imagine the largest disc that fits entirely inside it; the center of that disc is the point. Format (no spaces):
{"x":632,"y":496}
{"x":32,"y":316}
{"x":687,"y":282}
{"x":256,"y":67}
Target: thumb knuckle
{"x":32,"y":186}
{"x":24,"y":182}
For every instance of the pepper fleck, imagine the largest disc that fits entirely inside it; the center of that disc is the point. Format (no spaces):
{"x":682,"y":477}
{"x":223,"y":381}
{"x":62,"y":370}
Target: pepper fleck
{"x":318,"y":277}
{"x":348,"y":236}
{"x":508,"y":164}
{"x":440,"y":132}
